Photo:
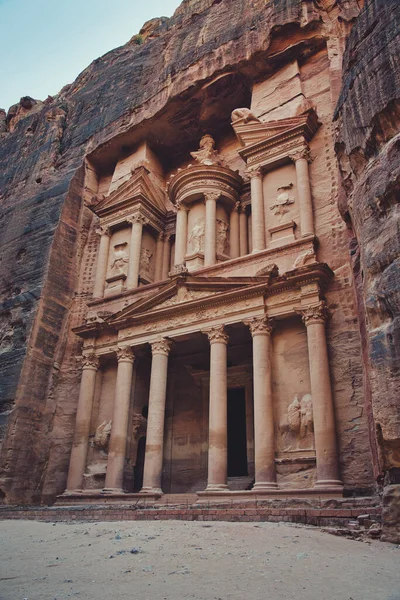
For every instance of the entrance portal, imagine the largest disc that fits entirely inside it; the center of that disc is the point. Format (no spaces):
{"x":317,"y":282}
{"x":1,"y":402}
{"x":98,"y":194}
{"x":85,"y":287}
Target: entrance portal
{"x":139,"y":467}
{"x":237,"y":443}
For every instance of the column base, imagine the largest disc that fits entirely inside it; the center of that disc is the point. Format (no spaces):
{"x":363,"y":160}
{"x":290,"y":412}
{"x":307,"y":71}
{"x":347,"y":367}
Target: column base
{"x":264,"y":486}
{"x":112,"y":491}
{"x":151,"y":490}
{"x":328,"y":483}
{"x":216,"y":487}
{"x":256,"y":251}
{"x":72,"y":492}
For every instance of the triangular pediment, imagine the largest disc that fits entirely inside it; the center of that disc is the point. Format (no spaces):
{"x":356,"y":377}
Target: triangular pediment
{"x":139,"y":188}
{"x":254,"y":131}
{"x":182,"y":292}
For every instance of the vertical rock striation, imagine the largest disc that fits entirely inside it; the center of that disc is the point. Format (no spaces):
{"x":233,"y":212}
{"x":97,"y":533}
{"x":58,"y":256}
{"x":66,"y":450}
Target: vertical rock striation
{"x":368,"y":150}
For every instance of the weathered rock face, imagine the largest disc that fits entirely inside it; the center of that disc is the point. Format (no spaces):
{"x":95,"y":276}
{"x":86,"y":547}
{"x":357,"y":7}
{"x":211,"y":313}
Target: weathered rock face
{"x":155,"y":87}
{"x":368,"y":149}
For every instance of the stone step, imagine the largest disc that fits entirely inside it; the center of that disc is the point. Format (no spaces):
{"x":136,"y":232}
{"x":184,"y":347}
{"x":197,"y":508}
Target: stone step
{"x":240,"y":483}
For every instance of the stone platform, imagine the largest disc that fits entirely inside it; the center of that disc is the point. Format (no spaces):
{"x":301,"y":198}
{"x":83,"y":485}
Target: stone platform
{"x":318,"y":511}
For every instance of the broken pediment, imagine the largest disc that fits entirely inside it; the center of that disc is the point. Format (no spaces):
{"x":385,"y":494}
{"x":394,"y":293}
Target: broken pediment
{"x":139,"y":188}
{"x":251,"y":131}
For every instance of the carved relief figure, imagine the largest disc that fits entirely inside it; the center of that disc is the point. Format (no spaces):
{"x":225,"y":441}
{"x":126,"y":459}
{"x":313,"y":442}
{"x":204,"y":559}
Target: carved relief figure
{"x":139,"y":426}
{"x":283,"y":200}
{"x":298,"y":430}
{"x":196,"y":238}
{"x":222,"y":236}
{"x":102,"y":436}
{"x":207,"y":155}
{"x":145,"y":259}
{"x":119,"y":262}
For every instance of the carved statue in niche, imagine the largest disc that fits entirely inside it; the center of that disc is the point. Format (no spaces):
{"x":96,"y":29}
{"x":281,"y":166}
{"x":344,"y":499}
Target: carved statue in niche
{"x":283,"y":200}
{"x":102,"y":436}
{"x":196,"y":238}
{"x":298,"y":432}
{"x":222,"y":236}
{"x":207,"y":155}
{"x":119,"y":261}
{"x":145,"y":259}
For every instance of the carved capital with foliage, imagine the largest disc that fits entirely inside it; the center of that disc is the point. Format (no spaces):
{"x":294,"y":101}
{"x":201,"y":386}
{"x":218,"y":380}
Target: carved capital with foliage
{"x":161,"y":346}
{"x":302,"y":153}
{"x":138,"y":219}
{"x":90,"y":361}
{"x":211,"y":196}
{"x":103,"y":230}
{"x":217,"y":335}
{"x":312,"y":315}
{"x":125,"y":354}
{"x":259,"y":325}
{"x":254,"y":172}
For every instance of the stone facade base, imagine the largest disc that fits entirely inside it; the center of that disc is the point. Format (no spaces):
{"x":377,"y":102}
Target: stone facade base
{"x":317,"y":512}
{"x":255,"y":495}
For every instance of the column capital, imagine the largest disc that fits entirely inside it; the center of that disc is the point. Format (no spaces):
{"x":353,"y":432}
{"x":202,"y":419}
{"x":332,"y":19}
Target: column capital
{"x":211,"y":196}
{"x":302,"y":153}
{"x":138,"y":219}
{"x":314,"y":314}
{"x":181,"y":206}
{"x":125,"y":354}
{"x":160,"y":236}
{"x":161,"y":346}
{"x":259,"y":325}
{"x":236,"y":207}
{"x":89,"y":361}
{"x":217,"y":335}
{"x":254,"y":172}
{"x":103,"y":230}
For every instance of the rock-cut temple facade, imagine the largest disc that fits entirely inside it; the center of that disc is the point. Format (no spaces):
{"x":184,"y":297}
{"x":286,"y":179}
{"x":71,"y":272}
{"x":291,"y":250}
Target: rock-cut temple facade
{"x":193,"y":312}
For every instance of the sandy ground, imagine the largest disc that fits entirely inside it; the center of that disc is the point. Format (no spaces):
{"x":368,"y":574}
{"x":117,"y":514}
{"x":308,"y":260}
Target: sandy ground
{"x":201,"y":561}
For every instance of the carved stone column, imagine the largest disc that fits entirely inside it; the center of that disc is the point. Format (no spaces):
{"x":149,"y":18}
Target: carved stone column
{"x":166,"y":257}
{"x":102,"y":260}
{"x":135,"y":248}
{"x":210,"y":236}
{"x":234,"y":237}
{"x":264,"y":435}
{"x":301,"y":160}
{"x":218,"y":425}
{"x":155,"y":421}
{"x":257,"y":209}
{"x":159,"y":257}
{"x":77,"y":463}
{"x":244,"y":246}
{"x":181,"y":234}
{"x":314,"y":318}
{"x":119,"y":429}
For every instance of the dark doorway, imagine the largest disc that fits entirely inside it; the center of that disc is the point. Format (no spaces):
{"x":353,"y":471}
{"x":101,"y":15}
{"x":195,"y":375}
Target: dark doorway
{"x":237,"y":445}
{"x":139,"y":467}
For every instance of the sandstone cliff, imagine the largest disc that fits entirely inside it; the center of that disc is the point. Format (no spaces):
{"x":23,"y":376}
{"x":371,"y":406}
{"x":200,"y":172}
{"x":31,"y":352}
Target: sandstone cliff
{"x":43,"y":218}
{"x":368,"y":149}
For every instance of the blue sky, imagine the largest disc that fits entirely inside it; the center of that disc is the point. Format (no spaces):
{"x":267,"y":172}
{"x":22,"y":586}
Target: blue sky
{"x":45,"y":44}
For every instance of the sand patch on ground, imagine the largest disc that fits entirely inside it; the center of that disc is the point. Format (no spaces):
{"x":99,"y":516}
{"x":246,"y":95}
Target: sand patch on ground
{"x":176,"y":560}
